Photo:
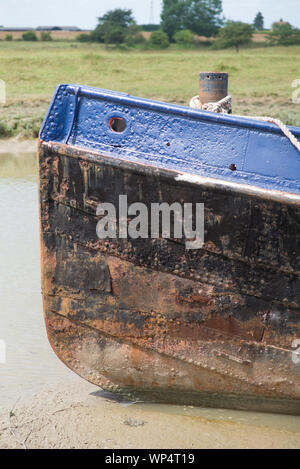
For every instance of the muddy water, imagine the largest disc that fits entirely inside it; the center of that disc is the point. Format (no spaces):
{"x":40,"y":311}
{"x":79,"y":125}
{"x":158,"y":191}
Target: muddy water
{"x":30,"y":362}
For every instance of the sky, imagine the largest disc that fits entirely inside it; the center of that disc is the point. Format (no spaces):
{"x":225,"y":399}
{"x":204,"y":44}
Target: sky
{"x":84,"y":13}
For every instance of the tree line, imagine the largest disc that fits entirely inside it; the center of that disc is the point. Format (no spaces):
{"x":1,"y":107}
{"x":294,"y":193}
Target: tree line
{"x":182,"y":21}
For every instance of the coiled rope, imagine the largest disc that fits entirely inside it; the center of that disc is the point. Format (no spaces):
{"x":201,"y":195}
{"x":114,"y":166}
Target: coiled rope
{"x":224,"y":106}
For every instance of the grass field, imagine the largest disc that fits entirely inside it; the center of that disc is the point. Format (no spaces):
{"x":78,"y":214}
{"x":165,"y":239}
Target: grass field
{"x":260,"y":78}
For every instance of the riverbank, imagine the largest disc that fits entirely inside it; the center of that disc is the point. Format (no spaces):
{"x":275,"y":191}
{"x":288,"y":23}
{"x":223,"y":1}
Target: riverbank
{"x":260,"y":79}
{"x":79,"y":415}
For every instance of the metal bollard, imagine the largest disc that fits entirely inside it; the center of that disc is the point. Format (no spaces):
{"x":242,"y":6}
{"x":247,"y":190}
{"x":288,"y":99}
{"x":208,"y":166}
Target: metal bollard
{"x":213,"y":87}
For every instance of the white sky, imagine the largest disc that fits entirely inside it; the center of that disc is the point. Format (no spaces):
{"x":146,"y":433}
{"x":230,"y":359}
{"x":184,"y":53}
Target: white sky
{"x":84,"y":13}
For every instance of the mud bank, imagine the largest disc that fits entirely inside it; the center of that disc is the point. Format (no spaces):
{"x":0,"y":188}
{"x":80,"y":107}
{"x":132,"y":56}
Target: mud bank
{"x":79,"y":415}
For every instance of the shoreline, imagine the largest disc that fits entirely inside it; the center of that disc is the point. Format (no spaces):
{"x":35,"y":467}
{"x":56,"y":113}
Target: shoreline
{"x":16,"y":146}
{"x":79,"y":415}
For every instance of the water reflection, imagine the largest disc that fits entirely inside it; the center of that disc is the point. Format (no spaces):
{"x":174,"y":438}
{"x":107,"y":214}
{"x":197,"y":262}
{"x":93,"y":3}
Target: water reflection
{"x":256,"y":419}
{"x":18,"y":166}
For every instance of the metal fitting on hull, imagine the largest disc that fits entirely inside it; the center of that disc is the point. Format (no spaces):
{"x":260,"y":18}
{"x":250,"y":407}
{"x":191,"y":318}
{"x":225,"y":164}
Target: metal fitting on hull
{"x":213,"y":87}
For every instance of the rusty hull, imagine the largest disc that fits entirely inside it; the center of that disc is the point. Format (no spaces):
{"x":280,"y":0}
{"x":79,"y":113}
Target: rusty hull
{"x":150,"y":319}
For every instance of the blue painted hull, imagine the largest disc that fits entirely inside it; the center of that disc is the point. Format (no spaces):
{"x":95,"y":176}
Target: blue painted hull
{"x":175,"y":137}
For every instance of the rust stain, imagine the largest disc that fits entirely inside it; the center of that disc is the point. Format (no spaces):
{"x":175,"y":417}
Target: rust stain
{"x":146,"y":315}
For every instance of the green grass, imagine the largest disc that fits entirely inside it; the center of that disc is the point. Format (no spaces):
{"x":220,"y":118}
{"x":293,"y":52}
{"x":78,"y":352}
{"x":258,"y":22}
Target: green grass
{"x":260,"y":78}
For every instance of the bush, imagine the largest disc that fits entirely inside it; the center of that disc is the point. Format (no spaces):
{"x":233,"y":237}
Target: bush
{"x":84,"y":38}
{"x":8,"y":37}
{"x":29,"y":36}
{"x":5,"y":130}
{"x":46,"y":36}
{"x":234,"y":34}
{"x":184,"y":37}
{"x":284,"y":34}
{"x":97,"y":34}
{"x":159,"y":40}
{"x":134,"y":36}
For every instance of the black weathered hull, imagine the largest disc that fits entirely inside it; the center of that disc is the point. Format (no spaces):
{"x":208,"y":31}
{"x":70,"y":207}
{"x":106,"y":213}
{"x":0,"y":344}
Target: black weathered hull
{"x":214,"y":326}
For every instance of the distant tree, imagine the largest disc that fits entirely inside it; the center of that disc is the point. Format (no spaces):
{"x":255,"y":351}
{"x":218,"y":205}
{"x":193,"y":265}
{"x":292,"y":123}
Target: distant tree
{"x":46,"y":36}
{"x":159,"y":40}
{"x":29,"y":36}
{"x":84,"y":37}
{"x":202,"y":17}
{"x":9,"y":37}
{"x":259,"y":22}
{"x":113,"y":26}
{"x":184,"y":37}
{"x":284,"y":34}
{"x":172,"y":15}
{"x":234,"y":34}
